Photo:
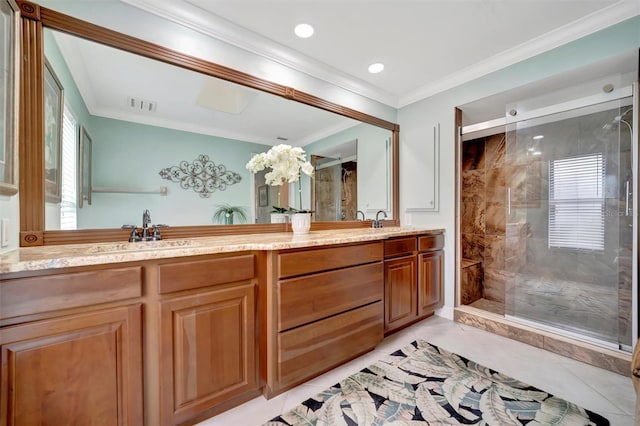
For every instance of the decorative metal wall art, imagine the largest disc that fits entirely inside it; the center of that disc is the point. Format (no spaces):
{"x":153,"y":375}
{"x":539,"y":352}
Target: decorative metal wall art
{"x":202,"y":175}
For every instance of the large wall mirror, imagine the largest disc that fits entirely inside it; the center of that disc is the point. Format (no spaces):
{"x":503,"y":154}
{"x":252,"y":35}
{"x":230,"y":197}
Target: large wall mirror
{"x":125,"y":122}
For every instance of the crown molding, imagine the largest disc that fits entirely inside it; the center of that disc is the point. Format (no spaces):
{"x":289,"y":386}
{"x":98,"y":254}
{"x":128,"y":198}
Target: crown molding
{"x":186,"y":14}
{"x":589,"y":24}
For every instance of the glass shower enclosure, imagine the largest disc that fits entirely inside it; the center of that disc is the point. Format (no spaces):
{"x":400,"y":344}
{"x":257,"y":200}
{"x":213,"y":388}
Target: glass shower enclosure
{"x":548,"y":223}
{"x":569,"y":239}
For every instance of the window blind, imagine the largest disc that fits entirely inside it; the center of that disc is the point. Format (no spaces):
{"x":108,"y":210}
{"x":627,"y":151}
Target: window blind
{"x":576,"y":202}
{"x":68,"y":210}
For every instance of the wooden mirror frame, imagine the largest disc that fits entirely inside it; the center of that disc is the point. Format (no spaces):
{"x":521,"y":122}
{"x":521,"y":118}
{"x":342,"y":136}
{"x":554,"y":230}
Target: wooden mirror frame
{"x":34,"y":19}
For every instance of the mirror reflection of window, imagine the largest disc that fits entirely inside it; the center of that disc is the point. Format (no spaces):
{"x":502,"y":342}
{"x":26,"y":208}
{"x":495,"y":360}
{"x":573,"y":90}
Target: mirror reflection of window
{"x":68,"y":205}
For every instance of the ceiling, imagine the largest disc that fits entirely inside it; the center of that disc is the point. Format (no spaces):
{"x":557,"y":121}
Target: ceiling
{"x":426,"y":45}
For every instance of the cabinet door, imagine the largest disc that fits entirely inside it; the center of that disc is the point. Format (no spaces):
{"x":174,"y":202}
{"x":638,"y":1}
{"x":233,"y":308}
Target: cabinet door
{"x":207,"y":351}
{"x":400,"y":292}
{"x":430,"y":282}
{"x":83,"y":369}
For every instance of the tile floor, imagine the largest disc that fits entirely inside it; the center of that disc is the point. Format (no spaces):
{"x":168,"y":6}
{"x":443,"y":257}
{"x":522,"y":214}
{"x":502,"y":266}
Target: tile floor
{"x":606,"y":393}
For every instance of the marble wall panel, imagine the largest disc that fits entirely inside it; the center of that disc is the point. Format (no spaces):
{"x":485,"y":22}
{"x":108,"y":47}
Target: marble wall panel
{"x":518,"y":229}
{"x":516,"y":182}
{"x":495,"y":218}
{"x":496,"y":184}
{"x":473,"y":184}
{"x":494,"y":284}
{"x":473,"y":154}
{"x":494,"y":149}
{"x":494,"y":251}
{"x":515,"y":253}
{"x":471,"y":282}
{"x":473,"y":246}
{"x":472,"y":215}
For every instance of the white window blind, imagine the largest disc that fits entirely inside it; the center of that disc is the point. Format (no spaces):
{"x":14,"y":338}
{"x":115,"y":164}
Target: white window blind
{"x":68,"y":210}
{"x":576,"y":202}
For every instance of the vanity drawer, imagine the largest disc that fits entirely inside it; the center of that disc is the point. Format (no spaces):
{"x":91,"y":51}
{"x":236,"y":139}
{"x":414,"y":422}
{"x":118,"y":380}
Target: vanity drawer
{"x":396,"y":247}
{"x":204,"y":273}
{"x":431,"y":242}
{"x":310,"y":298}
{"x":323,"y":259}
{"x":307,"y":351}
{"x":26,"y":296}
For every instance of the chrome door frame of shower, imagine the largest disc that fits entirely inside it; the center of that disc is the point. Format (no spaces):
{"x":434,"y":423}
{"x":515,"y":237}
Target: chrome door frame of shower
{"x":490,"y":127}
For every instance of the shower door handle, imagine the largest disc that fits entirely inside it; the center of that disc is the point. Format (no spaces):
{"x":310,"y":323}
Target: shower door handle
{"x":626,"y":208}
{"x":508,"y":201}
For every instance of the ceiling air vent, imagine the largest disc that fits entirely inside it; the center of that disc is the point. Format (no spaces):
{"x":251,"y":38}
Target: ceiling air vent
{"x":142,"y":105}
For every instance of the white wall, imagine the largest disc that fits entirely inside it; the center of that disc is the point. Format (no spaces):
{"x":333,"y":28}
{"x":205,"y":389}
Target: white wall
{"x":417,"y":120}
{"x":10,"y":209}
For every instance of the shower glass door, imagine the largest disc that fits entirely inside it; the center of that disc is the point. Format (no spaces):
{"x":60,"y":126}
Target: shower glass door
{"x":568,"y":238}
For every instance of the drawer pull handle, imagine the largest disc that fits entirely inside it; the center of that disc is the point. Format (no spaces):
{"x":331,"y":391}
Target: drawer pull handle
{"x":636,"y":372}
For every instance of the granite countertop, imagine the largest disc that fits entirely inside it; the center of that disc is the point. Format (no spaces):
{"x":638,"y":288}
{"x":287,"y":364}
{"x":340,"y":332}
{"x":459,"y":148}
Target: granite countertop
{"x":64,"y":256}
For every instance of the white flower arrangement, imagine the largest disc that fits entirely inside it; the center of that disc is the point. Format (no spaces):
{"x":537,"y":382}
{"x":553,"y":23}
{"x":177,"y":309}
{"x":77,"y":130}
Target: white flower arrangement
{"x":286,"y":164}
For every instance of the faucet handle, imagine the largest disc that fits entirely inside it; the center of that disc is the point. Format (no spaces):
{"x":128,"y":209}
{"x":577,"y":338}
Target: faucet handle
{"x":156,"y":231}
{"x":134,"y":236}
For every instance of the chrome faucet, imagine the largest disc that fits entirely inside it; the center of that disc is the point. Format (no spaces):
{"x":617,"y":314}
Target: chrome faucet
{"x":360,"y":212}
{"x":378,"y":223}
{"x":147,"y":234}
{"x":146,"y":218}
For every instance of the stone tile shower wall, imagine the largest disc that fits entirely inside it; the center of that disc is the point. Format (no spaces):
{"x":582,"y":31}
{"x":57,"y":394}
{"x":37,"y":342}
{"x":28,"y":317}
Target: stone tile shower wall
{"x":484,"y":230}
{"x":488,"y":235}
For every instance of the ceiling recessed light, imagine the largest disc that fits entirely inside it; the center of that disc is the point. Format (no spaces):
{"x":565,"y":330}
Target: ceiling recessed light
{"x":376,"y":68}
{"x":538,"y":137}
{"x":304,"y":30}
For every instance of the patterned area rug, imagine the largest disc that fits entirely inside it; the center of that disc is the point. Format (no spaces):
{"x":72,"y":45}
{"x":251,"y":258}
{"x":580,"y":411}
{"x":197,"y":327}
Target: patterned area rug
{"x":423,"y":384}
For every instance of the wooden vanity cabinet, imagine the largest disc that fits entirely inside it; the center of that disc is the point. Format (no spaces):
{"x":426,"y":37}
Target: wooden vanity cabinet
{"x":400,"y":282}
{"x":208,"y":359}
{"x":324,"y":307}
{"x":71,"y":348}
{"x":413,"y":281}
{"x":430,"y":274}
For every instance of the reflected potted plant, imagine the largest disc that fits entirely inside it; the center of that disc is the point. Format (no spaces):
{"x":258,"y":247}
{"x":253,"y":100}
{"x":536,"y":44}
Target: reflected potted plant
{"x":279,"y":214}
{"x":224,"y":214}
{"x":286,"y":164}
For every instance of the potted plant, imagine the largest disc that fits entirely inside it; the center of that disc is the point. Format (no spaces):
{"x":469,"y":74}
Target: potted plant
{"x":286,"y":164}
{"x":225,"y":212}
